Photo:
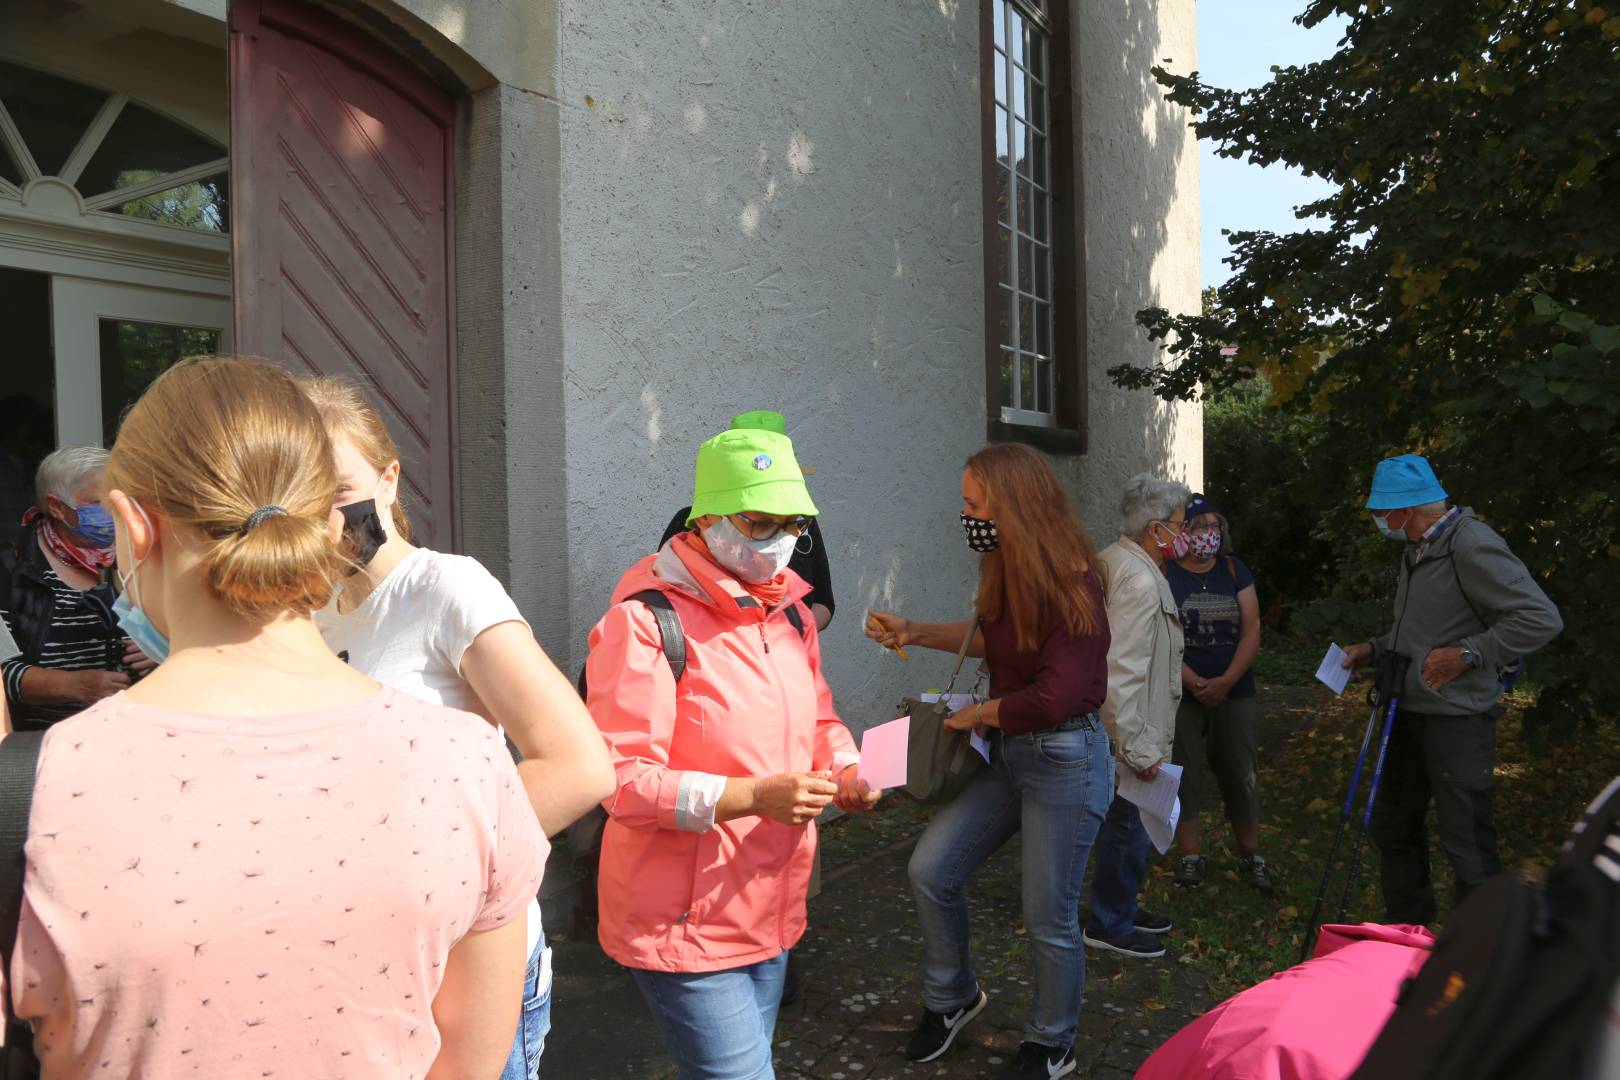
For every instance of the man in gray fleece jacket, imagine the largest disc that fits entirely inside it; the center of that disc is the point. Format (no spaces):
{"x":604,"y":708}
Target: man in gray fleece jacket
{"x":1465,"y":609}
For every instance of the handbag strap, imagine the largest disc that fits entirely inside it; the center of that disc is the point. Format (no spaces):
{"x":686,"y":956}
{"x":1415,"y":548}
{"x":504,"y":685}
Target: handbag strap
{"x":961,"y":653}
{"x":19,"y":755}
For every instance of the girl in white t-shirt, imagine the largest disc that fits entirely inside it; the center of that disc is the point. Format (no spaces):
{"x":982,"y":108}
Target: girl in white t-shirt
{"x":441,"y":628}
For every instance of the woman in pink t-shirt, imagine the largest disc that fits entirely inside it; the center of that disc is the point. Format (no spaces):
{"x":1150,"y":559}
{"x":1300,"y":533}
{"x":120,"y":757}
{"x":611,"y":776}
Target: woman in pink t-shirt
{"x":257,"y":861}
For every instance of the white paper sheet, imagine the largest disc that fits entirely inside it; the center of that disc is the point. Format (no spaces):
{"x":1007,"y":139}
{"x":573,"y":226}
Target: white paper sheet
{"x":981,"y":744}
{"x":1332,"y":673}
{"x":1156,"y":800}
{"x":957,"y":702}
{"x":883,"y":754}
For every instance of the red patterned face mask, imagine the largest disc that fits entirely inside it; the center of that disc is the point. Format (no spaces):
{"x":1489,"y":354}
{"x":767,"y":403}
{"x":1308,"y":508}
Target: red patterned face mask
{"x":90,"y":560}
{"x":1205,"y":543}
{"x":1175,"y":549}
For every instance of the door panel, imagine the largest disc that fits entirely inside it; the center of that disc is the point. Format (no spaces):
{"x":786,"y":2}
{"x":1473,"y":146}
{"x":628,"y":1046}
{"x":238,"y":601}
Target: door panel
{"x":341,"y":188}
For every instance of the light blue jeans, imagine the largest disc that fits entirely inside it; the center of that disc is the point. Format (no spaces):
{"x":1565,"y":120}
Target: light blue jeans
{"x":1054,"y":786}
{"x":535,"y":1022}
{"x":717,"y":1025}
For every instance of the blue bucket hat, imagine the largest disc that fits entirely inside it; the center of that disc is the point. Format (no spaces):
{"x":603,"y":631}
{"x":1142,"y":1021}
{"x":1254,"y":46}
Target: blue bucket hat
{"x":1404,"y":481}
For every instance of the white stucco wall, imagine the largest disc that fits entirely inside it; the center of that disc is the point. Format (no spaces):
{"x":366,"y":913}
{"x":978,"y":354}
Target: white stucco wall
{"x":779,"y":206}
{"x":1142,"y":244}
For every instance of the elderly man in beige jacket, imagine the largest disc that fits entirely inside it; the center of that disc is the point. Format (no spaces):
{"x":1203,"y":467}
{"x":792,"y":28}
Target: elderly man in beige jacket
{"x":1144,"y":689}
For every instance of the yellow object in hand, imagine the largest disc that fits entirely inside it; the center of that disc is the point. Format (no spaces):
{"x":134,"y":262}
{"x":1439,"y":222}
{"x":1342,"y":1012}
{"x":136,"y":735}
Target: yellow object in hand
{"x":874,"y":623}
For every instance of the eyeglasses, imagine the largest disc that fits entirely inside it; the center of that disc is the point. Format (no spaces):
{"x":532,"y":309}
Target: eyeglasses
{"x":761,"y":529}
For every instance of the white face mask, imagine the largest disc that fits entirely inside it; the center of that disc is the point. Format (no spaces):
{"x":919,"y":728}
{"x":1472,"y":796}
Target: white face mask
{"x":753,"y":561}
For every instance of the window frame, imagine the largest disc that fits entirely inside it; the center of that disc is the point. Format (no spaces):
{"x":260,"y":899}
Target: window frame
{"x":1068,"y":436}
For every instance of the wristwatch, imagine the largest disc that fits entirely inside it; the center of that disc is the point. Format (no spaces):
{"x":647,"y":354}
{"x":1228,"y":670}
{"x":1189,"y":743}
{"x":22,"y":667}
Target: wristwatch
{"x":1469,"y":657}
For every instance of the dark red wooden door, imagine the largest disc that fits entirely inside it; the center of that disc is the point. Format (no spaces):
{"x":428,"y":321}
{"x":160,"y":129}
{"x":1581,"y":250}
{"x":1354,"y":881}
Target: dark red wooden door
{"x":341,"y":219}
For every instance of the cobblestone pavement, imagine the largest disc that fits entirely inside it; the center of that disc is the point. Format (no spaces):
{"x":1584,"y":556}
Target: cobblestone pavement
{"x":861,"y":993}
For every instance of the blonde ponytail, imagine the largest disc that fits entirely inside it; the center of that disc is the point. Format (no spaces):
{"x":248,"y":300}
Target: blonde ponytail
{"x":214,"y":446}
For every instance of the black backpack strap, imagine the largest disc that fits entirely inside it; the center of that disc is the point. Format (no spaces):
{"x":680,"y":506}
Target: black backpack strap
{"x":796,"y":619}
{"x":1594,"y":836}
{"x":669,"y":628}
{"x":19,"y":755}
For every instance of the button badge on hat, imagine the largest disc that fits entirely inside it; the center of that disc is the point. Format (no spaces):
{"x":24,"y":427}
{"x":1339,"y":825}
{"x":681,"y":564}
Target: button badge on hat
{"x":762,"y":462}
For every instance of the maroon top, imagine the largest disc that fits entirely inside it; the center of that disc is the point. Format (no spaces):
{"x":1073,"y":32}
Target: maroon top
{"x":1063,"y":678}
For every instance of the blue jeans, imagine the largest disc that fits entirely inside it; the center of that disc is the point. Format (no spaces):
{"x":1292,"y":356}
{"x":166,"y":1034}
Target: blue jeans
{"x":1122,"y":852}
{"x":524,"y":1062}
{"x":1054,"y":786}
{"x":717,"y":1025}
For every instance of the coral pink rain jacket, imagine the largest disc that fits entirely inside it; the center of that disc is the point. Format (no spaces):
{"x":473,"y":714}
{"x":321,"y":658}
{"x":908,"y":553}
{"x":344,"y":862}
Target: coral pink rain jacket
{"x":678,"y":891}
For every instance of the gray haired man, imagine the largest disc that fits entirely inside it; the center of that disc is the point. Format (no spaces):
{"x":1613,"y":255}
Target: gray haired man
{"x":1465,"y":609}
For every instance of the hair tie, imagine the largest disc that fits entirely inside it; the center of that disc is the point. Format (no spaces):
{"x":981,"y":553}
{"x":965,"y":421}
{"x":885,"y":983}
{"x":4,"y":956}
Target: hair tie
{"x":261,"y":515}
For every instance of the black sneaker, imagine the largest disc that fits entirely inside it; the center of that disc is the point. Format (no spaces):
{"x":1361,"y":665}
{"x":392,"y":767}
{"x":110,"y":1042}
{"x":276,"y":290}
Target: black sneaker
{"x":1135,"y":944}
{"x":1254,"y":872}
{"x":1191,"y":874}
{"x":1149,"y":923}
{"x":936,"y":1031}
{"x":1038,"y":1062}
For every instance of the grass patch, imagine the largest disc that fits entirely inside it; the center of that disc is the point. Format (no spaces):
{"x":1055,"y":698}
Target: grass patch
{"x":1237,"y":938}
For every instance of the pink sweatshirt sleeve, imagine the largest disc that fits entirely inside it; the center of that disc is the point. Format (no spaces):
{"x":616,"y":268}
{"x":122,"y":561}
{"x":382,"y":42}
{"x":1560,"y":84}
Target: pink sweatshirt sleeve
{"x":631,"y":696}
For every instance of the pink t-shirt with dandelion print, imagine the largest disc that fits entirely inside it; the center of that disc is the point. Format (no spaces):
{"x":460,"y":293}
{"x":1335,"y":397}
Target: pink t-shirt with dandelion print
{"x":225,"y":896}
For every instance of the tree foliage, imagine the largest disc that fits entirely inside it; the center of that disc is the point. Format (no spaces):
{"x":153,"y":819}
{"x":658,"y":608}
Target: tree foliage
{"x":1455,"y":294}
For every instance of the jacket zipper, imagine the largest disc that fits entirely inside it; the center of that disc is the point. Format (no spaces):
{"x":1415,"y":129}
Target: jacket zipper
{"x":787,"y":751}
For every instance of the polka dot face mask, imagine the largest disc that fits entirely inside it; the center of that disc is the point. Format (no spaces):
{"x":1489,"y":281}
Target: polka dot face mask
{"x":981,"y":534}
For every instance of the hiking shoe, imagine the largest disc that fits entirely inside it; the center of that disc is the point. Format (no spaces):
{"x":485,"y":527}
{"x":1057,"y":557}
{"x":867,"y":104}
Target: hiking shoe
{"x":937,"y":1031}
{"x":1191,"y":874}
{"x":1039,"y":1062}
{"x":1254,"y":872}
{"x":1135,"y":944}
{"x":1149,"y":923}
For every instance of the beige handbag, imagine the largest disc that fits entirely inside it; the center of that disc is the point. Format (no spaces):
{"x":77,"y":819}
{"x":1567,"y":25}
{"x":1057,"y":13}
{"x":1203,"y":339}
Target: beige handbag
{"x":939,"y":761}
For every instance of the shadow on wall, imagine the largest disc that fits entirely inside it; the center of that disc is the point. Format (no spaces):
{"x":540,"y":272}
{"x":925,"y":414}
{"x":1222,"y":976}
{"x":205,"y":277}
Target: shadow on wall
{"x":1142,"y":243}
{"x":782,"y":209}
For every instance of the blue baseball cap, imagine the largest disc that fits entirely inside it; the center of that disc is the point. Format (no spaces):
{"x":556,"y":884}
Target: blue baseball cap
{"x":1404,"y":481}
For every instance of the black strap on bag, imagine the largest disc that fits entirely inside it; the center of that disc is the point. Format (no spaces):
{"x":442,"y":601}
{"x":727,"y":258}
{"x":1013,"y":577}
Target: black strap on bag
{"x":672,"y":637}
{"x":19,"y":755}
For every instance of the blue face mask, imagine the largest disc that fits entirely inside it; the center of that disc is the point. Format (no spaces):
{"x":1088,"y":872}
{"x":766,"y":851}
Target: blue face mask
{"x":134,"y":622}
{"x":1390,"y":533}
{"x":95,"y":525}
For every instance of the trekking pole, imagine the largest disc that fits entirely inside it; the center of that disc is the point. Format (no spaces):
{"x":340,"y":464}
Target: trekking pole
{"x":1391,"y":678}
{"x":1344,"y":818}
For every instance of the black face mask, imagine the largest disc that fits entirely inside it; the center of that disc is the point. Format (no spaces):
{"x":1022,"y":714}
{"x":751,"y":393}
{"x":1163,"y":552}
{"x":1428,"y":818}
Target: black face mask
{"x":362,"y":532}
{"x":981,"y":534}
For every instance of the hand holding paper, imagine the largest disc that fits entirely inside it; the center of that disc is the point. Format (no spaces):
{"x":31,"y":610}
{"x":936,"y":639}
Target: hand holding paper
{"x":1333,"y":673}
{"x":1156,"y":800}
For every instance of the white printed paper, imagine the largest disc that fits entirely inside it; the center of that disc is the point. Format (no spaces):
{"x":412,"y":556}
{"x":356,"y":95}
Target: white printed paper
{"x":979,"y":743}
{"x":1333,"y":674}
{"x":883,"y":754}
{"x":1156,"y":801}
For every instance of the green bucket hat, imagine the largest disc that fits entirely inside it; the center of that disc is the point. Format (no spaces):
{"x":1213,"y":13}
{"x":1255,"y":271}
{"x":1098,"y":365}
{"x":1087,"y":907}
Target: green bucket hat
{"x":766,"y":420}
{"x":760,"y":420}
{"x":749,"y":469}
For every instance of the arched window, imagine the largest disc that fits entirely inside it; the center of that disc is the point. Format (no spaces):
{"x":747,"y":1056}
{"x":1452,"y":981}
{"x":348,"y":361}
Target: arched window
{"x":120,"y":158}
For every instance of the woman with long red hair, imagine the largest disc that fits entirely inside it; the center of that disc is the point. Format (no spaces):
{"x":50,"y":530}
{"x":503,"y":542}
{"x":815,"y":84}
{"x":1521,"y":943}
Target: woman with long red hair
{"x":1042,"y":628}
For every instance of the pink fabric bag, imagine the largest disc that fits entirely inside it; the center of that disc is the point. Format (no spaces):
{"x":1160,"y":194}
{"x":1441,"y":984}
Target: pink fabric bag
{"x":1314,"y":1021}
